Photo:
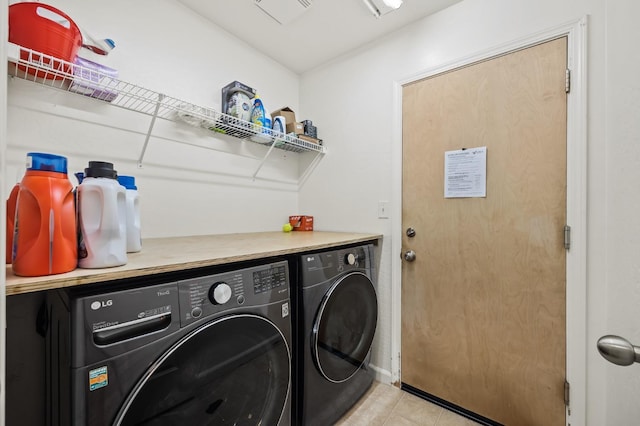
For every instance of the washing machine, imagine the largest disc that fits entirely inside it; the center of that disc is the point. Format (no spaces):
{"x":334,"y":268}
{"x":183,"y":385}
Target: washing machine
{"x":336,"y":311}
{"x":200,"y":350}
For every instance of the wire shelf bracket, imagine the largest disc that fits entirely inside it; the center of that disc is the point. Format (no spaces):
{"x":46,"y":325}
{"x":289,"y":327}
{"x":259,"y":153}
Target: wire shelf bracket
{"x":148,"y":136}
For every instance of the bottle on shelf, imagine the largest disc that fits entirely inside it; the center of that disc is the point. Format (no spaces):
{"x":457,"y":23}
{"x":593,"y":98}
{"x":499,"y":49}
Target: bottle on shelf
{"x":134,"y":236}
{"x":260,"y":117}
{"x":101,"y":218}
{"x":44,"y":238}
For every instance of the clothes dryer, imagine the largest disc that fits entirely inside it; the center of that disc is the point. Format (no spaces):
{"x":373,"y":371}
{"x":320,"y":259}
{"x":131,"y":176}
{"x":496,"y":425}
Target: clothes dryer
{"x":336,"y":313}
{"x":203,"y":350}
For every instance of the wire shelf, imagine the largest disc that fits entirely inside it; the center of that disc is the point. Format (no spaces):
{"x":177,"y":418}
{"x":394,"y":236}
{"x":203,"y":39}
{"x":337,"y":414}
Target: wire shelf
{"x":62,"y":75}
{"x":232,"y":126}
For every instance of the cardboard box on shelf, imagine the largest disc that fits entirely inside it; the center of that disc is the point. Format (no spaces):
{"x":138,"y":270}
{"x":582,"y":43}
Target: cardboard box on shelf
{"x":290,"y":119}
{"x":310,"y":139}
{"x":301,"y":223}
{"x":287,"y":113}
{"x":296,"y":127}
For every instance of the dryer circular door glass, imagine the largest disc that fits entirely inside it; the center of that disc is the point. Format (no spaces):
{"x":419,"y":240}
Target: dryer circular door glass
{"x":344,"y":327}
{"x":232,"y":371}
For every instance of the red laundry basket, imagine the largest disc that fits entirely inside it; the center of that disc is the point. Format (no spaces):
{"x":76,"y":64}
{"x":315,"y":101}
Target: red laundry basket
{"x":44,"y":29}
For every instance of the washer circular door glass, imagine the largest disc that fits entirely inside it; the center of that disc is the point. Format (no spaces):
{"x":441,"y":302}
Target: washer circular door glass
{"x":232,"y":371}
{"x":344,"y":327}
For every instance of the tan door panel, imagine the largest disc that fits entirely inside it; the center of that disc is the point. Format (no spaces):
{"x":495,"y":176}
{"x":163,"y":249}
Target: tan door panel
{"x":483,"y":304}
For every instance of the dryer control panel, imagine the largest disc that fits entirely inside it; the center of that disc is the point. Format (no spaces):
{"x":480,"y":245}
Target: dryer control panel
{"x":213,"y":294}
{"x":322,"y":266}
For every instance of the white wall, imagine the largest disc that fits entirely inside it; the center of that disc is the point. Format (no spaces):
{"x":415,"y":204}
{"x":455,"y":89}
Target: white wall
{"x":622,"y":200}
{"x":185,"y":190}
{"x":351,"y":101}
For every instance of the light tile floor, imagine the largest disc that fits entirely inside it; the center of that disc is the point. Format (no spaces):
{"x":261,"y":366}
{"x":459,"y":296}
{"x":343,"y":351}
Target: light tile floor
{"x":385,"y":405}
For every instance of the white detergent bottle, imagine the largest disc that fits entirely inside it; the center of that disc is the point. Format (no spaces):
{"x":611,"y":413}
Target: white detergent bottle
{"x":134,"y":235}
{"x":101,"y":218}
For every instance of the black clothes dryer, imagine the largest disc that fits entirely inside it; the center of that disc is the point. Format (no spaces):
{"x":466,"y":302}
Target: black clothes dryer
{"x":336,"y":313}
{"x":207,"y":350}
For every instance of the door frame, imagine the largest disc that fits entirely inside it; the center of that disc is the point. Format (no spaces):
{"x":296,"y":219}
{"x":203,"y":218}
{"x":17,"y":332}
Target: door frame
{"x":576,"y":256}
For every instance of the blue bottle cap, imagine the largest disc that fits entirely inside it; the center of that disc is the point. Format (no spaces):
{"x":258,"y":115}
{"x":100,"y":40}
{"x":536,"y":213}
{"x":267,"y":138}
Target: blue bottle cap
{"x":46,"y":162}
{"x":79,"y":176}
{"x":128,"y":182}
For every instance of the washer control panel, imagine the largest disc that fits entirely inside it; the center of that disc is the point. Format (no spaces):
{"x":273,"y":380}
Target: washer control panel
{"x":266,"y":280}
{"x":212,"y":294}
{"x":122,"y":315}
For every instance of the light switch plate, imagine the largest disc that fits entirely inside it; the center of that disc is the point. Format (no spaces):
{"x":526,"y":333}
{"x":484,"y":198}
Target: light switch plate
{"x":383,"y":210}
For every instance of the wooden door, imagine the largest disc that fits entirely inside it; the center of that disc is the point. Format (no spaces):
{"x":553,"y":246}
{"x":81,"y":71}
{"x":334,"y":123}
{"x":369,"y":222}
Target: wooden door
{"x":483,"y":304}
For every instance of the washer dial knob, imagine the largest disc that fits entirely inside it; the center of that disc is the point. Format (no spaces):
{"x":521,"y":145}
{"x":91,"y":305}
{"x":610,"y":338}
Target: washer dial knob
{"x":350,"y":259}
{"x":220,"y":293}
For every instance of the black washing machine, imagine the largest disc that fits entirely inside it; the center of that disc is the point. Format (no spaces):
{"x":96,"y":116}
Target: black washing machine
{"x":204,"y":350}
{"x":336,"y":311}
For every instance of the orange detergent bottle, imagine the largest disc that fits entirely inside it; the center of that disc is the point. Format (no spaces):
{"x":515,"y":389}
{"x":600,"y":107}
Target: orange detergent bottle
{"x":45,"y":240}
{"x":11,"y":215}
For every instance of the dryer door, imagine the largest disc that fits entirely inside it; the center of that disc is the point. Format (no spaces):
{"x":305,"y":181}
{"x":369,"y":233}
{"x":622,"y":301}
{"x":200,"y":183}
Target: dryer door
{"x":231,"y":371}
{"x":344,"y":327}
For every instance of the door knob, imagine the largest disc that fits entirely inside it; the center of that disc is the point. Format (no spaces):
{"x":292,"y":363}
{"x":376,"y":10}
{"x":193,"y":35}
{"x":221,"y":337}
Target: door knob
{"x":618,"y":350}
{"x":409,"y":255}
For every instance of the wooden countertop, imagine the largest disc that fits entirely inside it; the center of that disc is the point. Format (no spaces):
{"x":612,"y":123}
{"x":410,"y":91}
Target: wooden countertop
{"x":178,"y":253}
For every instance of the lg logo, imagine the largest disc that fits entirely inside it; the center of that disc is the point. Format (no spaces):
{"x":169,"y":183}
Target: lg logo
{"x":310,"y":259}
{"x":101,"y":304}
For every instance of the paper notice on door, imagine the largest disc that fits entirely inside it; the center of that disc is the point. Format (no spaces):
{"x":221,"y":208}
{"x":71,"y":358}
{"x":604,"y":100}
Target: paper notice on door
{"x":465,"y":173}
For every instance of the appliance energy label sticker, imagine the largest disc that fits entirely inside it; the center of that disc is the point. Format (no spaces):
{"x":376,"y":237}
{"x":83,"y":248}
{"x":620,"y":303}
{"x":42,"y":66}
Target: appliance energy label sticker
{"x":285,"y":310}
{"x":98,"y":378}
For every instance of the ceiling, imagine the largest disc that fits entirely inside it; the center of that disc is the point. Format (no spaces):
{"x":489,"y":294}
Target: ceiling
{"x":325,"y":30}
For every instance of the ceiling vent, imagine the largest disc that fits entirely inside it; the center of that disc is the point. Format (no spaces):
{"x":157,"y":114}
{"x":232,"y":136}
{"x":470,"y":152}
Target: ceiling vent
{"x":283,"y":11}
{"x":380,"y":8}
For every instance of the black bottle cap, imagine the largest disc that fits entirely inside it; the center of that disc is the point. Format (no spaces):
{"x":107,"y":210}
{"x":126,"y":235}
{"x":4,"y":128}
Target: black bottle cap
{"x":100,"y":169}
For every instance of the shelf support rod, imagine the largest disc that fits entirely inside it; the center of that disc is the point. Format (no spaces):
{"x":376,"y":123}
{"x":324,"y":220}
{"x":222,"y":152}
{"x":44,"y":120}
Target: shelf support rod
{"x":153,"y":121}
{"x":264,"y":159}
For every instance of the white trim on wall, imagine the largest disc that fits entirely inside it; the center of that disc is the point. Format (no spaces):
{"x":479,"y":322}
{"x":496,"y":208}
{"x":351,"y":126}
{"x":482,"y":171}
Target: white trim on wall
{"x":576,"y":278}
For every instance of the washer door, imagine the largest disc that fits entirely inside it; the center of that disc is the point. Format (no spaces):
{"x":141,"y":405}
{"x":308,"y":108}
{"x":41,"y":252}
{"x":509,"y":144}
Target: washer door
{"x":232,"y":371}
{"x":344,"y":327}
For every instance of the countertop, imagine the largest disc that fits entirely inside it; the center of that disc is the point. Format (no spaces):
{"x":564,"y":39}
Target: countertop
{"x":160,"y":255}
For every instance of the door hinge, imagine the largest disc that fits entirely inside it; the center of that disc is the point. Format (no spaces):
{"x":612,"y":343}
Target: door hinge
{"x":567,"y":389}
{"x":567,"y":81}
{"x":567,"y":237}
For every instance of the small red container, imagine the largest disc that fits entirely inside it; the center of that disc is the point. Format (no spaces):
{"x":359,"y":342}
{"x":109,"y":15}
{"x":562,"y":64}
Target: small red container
{"x":301,"y":223}
{"x":45,"y":29}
